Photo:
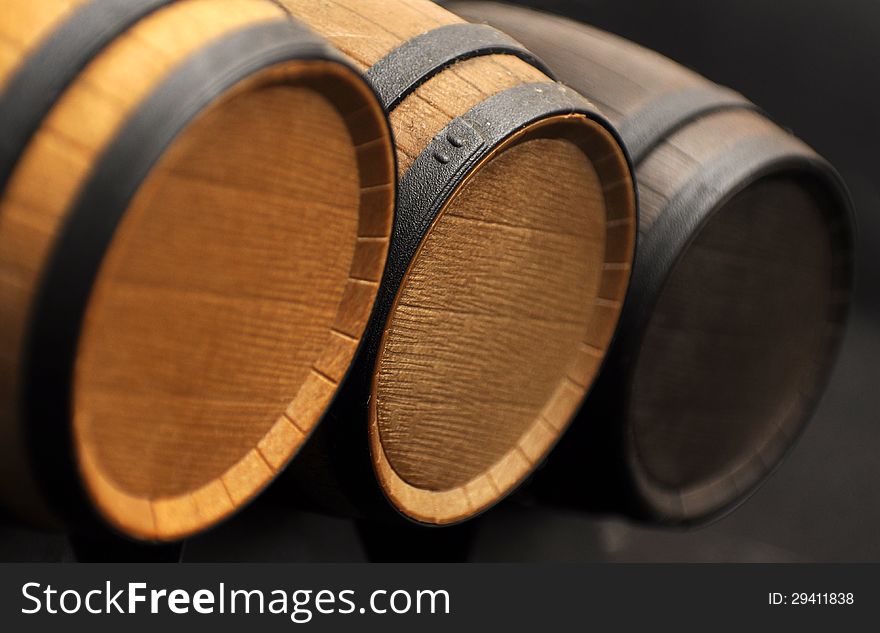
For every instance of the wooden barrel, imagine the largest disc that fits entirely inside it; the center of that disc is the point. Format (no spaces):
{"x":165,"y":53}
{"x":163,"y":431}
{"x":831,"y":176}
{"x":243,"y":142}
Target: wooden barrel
{"x":510,"y":257}
{"x":739,"y":294}
{"x":195,"y":206}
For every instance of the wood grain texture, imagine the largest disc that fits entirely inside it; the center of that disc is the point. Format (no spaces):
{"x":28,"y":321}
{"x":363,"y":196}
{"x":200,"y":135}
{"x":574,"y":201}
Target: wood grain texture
{"x":234,"y":293}
{"x":746,"y":326}
{"x":510,"y":302}
{"x":467,"y":304}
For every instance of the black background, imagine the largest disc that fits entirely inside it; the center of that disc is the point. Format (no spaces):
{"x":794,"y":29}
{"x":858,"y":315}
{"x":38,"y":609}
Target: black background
{"x":812,"y":65}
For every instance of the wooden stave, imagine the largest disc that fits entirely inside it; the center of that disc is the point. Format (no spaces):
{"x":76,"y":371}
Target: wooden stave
{"x":592,"y":467}
{"x":51,"y":497}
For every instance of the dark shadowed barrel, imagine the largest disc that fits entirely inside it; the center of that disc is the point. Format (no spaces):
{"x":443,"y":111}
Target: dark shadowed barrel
{"x":739,"y":292}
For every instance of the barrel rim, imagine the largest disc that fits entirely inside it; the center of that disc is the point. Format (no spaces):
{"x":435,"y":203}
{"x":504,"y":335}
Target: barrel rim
{"x":445,"y":164}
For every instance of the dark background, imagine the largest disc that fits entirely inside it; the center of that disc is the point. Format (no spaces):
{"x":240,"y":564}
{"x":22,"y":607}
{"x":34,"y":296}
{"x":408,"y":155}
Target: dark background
{"x":812,"y":65}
